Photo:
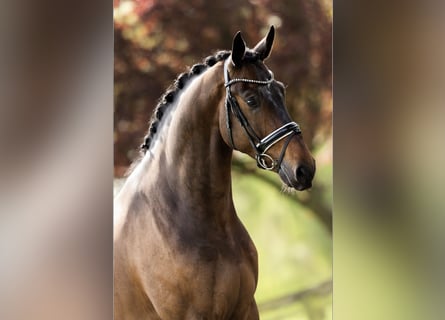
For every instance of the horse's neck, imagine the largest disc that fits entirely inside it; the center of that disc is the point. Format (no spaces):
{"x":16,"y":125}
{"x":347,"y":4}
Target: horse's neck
{"x":191,"y":160}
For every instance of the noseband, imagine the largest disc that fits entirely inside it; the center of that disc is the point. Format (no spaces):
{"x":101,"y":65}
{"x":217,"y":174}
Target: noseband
{"x":264,"y":160}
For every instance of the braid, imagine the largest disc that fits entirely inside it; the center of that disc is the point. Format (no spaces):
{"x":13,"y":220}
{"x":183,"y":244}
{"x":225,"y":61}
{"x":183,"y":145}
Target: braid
{"x":169,"y":96}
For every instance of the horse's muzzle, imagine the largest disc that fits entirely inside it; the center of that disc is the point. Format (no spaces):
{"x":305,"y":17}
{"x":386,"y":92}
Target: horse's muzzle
{"x":301,"y":179}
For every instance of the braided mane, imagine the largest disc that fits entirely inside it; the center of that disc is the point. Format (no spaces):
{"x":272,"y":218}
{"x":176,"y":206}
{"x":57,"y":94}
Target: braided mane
{"x":169,"y":96}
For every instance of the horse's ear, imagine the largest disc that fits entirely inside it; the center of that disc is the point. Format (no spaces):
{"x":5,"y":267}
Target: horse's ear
{"x":264,"y":47}
{"x":238,"y":49}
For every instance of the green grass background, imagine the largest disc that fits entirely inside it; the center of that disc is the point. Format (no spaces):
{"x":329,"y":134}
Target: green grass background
{"x":294,"y":248}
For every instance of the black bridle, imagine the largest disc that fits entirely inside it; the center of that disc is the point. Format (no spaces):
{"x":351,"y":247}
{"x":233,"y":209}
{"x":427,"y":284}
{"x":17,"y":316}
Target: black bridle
{"x":260,"y":146}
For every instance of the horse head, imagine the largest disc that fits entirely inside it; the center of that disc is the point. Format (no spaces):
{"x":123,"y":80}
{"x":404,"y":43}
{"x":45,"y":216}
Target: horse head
{"x":255,"y":120}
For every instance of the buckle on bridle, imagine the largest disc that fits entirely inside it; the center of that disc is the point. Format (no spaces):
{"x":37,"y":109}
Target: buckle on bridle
{"x":266,"y":162}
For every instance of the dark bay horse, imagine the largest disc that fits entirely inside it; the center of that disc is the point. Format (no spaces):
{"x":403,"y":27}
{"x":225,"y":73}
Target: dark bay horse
{"x":180,"y":250}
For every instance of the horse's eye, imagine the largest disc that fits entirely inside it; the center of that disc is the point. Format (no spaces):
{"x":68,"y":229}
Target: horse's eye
{"x":252,"y":101}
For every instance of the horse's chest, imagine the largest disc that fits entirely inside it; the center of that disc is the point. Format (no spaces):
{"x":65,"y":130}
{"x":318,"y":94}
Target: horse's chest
{"x":207,"y":283}
{"x":223,"y":287}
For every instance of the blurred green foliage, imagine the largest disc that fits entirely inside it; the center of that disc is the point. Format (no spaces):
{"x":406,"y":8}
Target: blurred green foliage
{"x":294,"y":248}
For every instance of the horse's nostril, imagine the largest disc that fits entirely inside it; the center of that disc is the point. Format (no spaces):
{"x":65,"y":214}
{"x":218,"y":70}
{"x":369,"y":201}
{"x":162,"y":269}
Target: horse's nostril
{"x":304,"y":174}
